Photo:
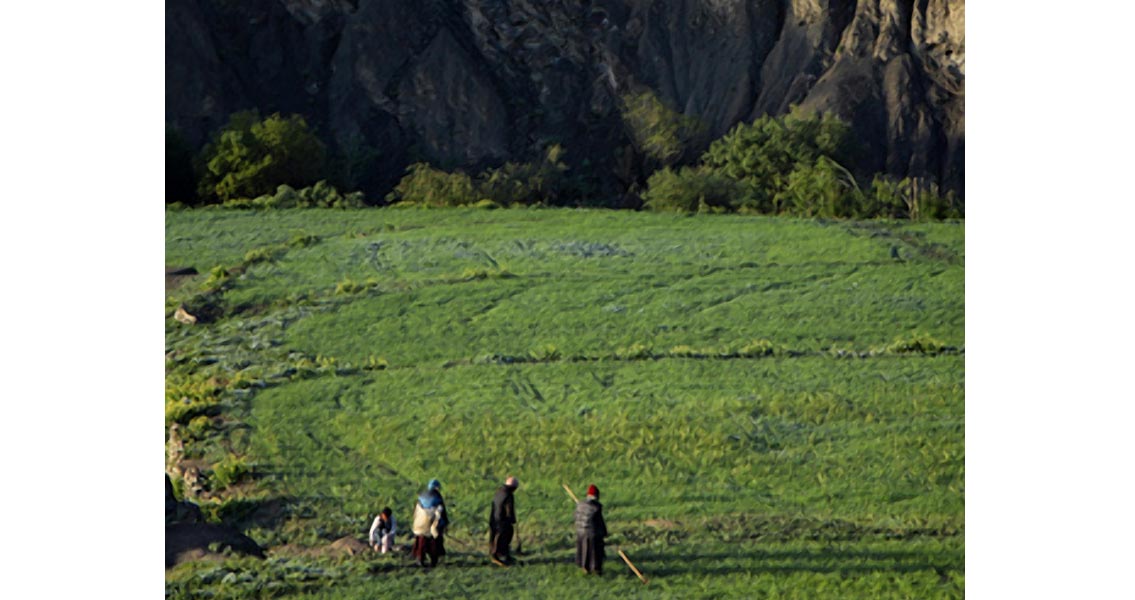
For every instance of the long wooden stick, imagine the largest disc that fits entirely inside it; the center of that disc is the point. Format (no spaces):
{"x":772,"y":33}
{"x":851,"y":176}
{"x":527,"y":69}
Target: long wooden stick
{"x":629,"y":564}
{"x":568,"y":490}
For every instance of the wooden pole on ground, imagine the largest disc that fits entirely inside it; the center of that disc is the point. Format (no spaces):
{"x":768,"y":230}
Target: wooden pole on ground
{"x":629,"y":564}
{"x":568,"y":490}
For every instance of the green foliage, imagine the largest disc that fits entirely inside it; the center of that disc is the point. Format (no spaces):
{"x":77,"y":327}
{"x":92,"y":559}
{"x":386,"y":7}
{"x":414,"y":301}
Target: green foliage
{"x":376,"y":363}
{"x":636,"y":351}
{"x":303,"y":240}
{"x":756,"y":348}
{"x":229,"y":471}
{"x":191,"y":396}
{"x":219,"y":277}
{"x":350,"y":286}
{"x":251,"y":156}
{"x":690,"y":190}
{"x":538,"y":182}
{"x":545,"y":352}
{"x":821,"y":189}
{"x":917,"y":344}
{"x":427,"y":186}
{"x":657,"y":131}
{"x":912,"y":198}
{"x":258,"y":255}
{"x":763,"y":154}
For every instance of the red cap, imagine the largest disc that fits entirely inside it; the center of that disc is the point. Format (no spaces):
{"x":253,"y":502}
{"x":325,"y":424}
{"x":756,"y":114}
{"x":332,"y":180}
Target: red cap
{"x":592,"y":490}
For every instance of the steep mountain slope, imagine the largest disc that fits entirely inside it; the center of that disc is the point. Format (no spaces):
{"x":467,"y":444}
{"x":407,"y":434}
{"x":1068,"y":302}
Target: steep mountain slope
{"x":476,"y":82}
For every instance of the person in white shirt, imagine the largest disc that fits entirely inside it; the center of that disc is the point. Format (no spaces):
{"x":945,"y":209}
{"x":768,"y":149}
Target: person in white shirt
{"x":382,"y":531}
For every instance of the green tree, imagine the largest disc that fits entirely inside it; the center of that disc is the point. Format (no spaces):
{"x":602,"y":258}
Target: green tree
{"x":428,"y":186}
{"x":763,"y":154}
{"x":251,"y":157}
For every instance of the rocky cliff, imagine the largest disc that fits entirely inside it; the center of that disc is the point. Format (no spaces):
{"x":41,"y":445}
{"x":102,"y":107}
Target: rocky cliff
{"x":473,"y":83}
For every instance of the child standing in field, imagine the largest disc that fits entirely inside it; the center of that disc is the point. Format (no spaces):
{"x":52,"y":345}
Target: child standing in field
{"x":590,"y":529}
{"x":430,"y":523}
{"x":382,"y":531}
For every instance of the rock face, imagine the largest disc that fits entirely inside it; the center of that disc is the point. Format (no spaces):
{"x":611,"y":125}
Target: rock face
{"x":188,"y":537}
{"x":472,"y":83}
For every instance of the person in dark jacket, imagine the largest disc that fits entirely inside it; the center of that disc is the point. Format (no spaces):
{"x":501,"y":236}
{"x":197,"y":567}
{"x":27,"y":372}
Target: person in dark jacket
{"x":502,"y":521}
{"x":430,"y":522}
{"x":590,"y":529}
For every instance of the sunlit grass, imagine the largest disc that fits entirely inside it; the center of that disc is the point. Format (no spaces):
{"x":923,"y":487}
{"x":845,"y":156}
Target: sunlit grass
{"x":772,"y":407}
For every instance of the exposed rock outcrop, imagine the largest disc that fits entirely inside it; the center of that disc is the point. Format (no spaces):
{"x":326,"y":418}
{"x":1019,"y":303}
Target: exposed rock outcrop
{"x":189,"y":537}
{"x":477,"y":82}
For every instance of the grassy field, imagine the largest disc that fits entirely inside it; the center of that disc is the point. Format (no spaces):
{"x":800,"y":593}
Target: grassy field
{"x":771,"y":407}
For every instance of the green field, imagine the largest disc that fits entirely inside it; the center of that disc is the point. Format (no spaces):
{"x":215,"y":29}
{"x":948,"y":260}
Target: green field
{"x":771,"y":407}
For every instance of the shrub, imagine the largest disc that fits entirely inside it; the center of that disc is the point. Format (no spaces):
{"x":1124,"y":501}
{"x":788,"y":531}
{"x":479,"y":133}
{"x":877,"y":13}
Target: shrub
{"x":911,"y":198}
{"x":820,"y":189}
{"x":763,"y":154}
{"x":250,"y":157}
{"x":324,"y":195}
{"x":690,"y":190}
{"x":486,"y":204}
{"x":538,"y":182}
{"x":428,"y":186}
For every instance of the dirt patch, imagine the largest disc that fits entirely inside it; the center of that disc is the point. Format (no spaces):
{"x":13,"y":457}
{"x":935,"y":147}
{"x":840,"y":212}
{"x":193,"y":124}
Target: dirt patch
{"x":176,"y":276}
{"x":660,"y":524}
{"x":344,"y":546}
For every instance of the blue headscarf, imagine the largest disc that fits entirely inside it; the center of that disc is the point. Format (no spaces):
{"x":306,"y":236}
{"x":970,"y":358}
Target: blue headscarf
{"x":431,"y":497}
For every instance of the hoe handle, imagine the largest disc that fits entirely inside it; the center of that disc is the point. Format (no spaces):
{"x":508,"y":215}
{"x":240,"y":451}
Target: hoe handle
{"x":631,"y":565}
{"x":568,"y":490}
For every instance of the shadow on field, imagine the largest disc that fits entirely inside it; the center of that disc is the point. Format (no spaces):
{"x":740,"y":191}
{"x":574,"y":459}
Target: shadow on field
{"x":796,"y":561}
{"x":245,"y":513}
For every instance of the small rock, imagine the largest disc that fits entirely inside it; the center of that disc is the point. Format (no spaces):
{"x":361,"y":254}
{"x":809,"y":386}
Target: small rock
{"x":183,"y":316}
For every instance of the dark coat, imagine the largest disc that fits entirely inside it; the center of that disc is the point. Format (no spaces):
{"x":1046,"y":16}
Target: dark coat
{"x":589,"y":518}
{"x":590,"y":529}
{"x":503,"y":513}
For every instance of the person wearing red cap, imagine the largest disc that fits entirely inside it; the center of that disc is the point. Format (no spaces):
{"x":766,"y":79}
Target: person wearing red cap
{"x":502,"y":521}
{"x":590,"y":529}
